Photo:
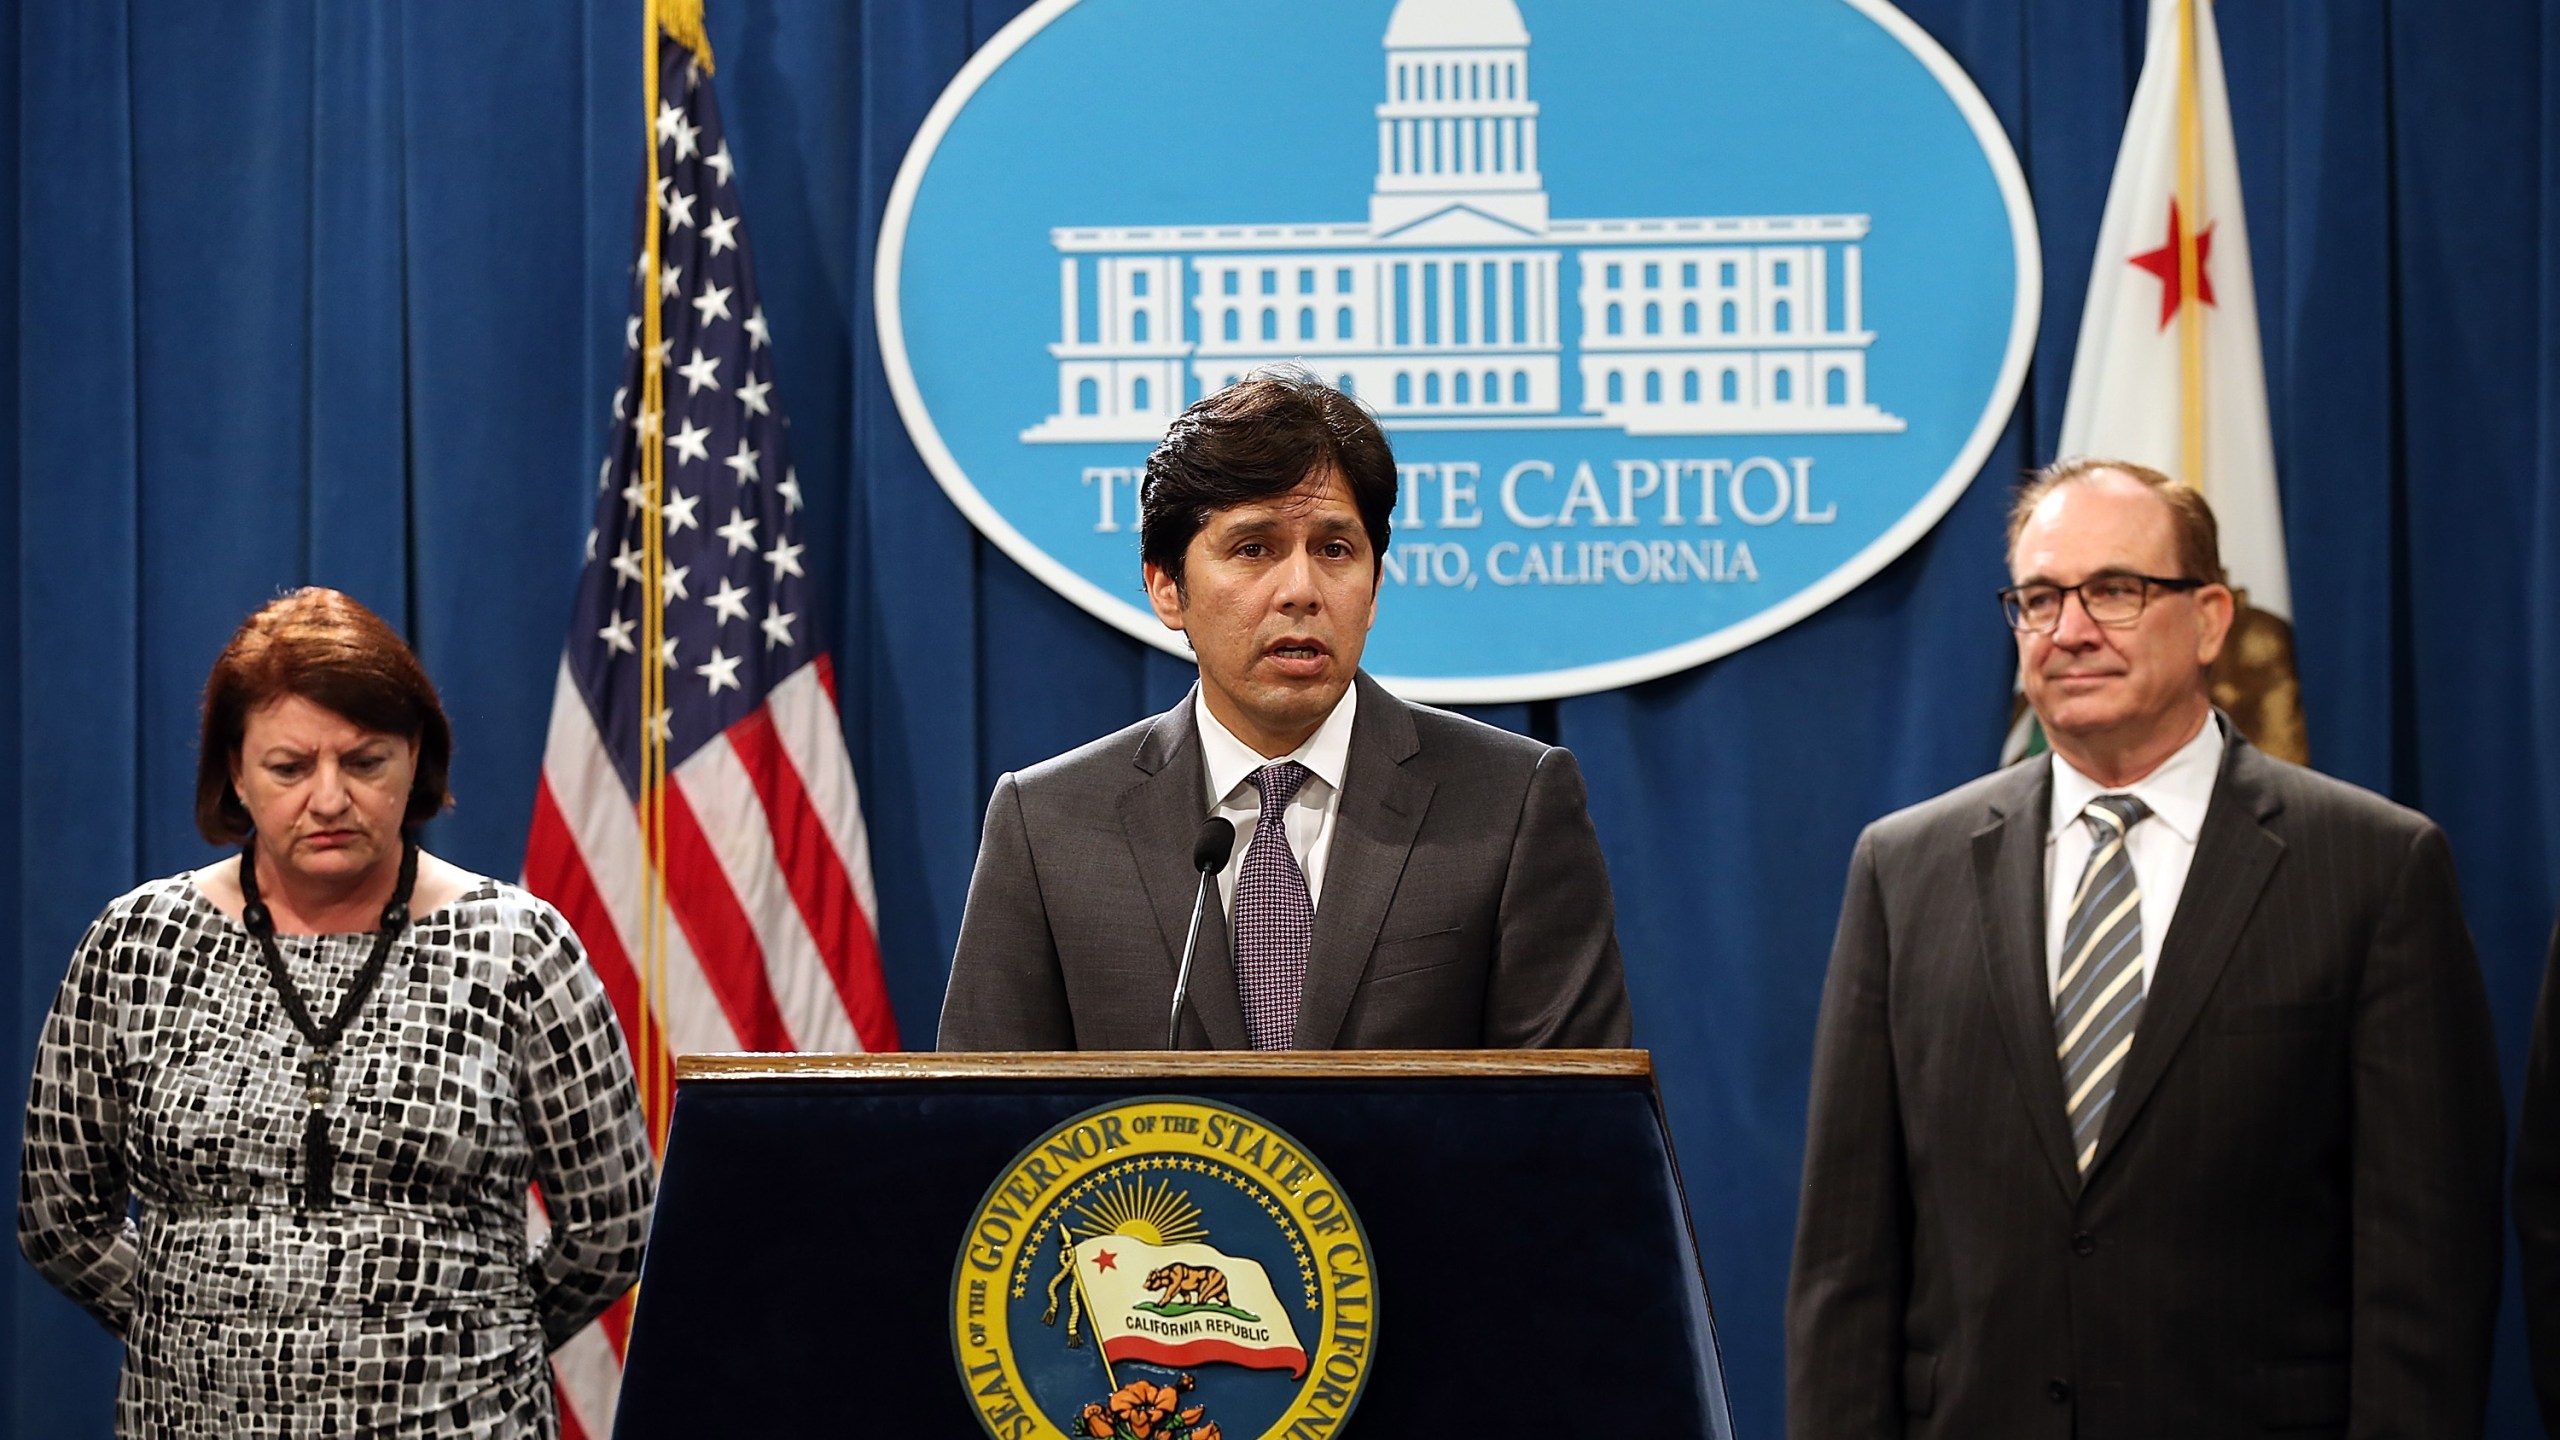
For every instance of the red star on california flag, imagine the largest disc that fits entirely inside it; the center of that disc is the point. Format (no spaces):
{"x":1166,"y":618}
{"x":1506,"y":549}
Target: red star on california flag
{"x":2163,"y":264}
{"x":1104,"y":1260}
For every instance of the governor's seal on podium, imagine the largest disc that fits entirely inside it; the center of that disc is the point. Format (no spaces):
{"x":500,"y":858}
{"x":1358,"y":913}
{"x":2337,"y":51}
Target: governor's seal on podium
{"x":1165,"y":1268}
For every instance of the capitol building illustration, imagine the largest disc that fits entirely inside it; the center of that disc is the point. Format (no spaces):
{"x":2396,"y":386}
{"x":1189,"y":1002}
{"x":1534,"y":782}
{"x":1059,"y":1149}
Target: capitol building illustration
{"x":1443,"y":310}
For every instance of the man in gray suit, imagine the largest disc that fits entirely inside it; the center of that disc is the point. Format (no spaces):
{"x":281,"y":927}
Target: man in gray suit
{"x":1401,"y":877}
{"x":2154,"y":1092}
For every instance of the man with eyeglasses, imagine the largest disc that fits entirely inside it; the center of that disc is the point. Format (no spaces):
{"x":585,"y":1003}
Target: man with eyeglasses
{"x":2154,"y":1092}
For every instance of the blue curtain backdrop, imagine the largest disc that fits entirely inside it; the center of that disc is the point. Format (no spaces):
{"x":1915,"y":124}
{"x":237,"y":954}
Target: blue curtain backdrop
{"x":334,"y":293}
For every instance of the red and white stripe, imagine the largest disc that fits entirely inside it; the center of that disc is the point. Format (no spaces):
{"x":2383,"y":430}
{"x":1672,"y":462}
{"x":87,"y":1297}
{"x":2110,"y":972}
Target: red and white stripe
{"x":769,"y":940}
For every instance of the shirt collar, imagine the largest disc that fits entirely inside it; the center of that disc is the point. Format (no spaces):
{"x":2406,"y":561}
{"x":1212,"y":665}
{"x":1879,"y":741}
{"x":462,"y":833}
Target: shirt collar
{"x":1229,"y":762}
{"x":2178,"y":792}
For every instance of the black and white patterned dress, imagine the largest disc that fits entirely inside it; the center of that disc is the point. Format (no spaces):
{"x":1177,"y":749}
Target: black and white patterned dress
{"x":486,"y":1058}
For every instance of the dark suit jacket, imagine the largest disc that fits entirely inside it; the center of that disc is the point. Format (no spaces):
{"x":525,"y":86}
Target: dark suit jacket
{"x":2538,"y":1193}
{"x":2292,"y":1220}
{"x":1465,"y":902}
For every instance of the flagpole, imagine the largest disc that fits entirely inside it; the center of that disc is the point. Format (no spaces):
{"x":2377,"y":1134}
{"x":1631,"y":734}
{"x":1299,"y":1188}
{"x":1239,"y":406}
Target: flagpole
{"x":2190,"y":263}
{"x":655,"y":1102}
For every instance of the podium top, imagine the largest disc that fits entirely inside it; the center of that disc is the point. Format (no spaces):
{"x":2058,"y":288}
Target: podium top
{"x":1178,"y":1064}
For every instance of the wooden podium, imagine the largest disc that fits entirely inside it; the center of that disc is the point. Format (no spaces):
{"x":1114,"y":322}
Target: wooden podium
{"x":1464,"y":1243}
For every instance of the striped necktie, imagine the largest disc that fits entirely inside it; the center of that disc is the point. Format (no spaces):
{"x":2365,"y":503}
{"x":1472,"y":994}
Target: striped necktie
{"x":1275,"y":918}
{"x":2098,"y":998}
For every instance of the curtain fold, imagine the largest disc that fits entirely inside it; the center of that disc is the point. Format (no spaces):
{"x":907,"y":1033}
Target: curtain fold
{"x":14,"y":983}
{"x":335,"y":293}
{"x":74,"y":689}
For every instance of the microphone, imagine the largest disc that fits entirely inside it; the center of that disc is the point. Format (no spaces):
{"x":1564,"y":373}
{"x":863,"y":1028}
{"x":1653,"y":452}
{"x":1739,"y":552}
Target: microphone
{"x":1208,"y":856}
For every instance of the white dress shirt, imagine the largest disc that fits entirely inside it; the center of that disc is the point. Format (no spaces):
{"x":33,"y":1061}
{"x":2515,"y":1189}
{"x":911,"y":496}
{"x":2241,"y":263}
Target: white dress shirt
{"x":2162,"y":845}
{"x":1230,"y":764}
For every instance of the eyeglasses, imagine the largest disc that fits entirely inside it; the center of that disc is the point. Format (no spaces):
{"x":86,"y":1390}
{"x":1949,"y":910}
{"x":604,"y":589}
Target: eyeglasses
{"x":2110,"y":600}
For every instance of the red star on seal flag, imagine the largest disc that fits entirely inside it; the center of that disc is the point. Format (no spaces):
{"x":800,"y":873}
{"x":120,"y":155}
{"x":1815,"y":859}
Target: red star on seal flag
{"x":2163,"y":264}
{"x":1104,"y":1260}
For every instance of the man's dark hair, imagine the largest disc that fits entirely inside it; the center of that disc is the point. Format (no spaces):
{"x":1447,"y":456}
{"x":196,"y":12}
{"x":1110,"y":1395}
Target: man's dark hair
{"x":1259,"y":439}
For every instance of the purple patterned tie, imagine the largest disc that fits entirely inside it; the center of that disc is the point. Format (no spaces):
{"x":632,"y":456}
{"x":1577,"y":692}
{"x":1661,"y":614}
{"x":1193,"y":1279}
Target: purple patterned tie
{"x":1275,"y":921}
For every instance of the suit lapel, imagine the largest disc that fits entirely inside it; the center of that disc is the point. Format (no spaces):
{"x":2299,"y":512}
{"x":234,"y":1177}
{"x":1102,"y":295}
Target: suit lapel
{"x":1161,"y":815}
{"x":1373,"y":829}
{"x":2009,"y":892}
{"x":2235,"y":856}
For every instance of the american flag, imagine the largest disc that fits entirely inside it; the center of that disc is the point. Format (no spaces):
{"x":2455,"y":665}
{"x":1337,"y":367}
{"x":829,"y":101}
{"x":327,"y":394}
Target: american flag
{"x":769,"y":941}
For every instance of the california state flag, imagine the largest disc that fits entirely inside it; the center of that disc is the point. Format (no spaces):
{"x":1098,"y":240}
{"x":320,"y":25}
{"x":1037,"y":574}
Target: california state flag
{"x":2169,"y":373}
{"x":1184,"y":1305}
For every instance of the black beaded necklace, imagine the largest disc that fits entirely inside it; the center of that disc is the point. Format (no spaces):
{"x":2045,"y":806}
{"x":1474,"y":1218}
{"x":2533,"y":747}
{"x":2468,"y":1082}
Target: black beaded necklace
{"x":318,"y":1068}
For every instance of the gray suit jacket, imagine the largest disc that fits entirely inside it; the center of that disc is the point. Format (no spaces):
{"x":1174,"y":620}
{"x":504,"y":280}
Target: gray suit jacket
{"x":2292,"y":1219}
{"x":1465,"y":901}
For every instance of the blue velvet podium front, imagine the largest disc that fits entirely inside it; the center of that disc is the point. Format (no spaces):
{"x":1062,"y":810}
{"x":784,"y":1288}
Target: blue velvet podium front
{"x":1524,"y":1260}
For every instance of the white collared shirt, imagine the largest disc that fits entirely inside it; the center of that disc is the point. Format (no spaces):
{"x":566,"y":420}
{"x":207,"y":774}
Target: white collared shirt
{"x":2162,"y":846}
{"x":1230,"y":763}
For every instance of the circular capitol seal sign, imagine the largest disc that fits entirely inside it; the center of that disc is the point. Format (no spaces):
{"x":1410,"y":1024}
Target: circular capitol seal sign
{"x":1163,"y":1269}
{"x":1684,"y":316}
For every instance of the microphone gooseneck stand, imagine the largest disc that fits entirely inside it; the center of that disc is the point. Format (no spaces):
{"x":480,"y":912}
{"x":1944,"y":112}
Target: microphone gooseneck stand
{"x":1208,"y":856}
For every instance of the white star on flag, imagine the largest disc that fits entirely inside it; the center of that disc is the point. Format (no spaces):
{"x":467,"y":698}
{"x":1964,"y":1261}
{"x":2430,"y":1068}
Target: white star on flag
{"x":720,"y":670}
{"x":680,"y":511}
{"x":702,"y":373}
{"x":729,"y":602}
{"x":743,"y":463}
{"x":688,"y":442}
{"x":776,"y":627}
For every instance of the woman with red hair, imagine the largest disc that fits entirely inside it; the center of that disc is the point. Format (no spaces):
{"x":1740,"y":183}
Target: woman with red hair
{"x":286,"y":1107}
